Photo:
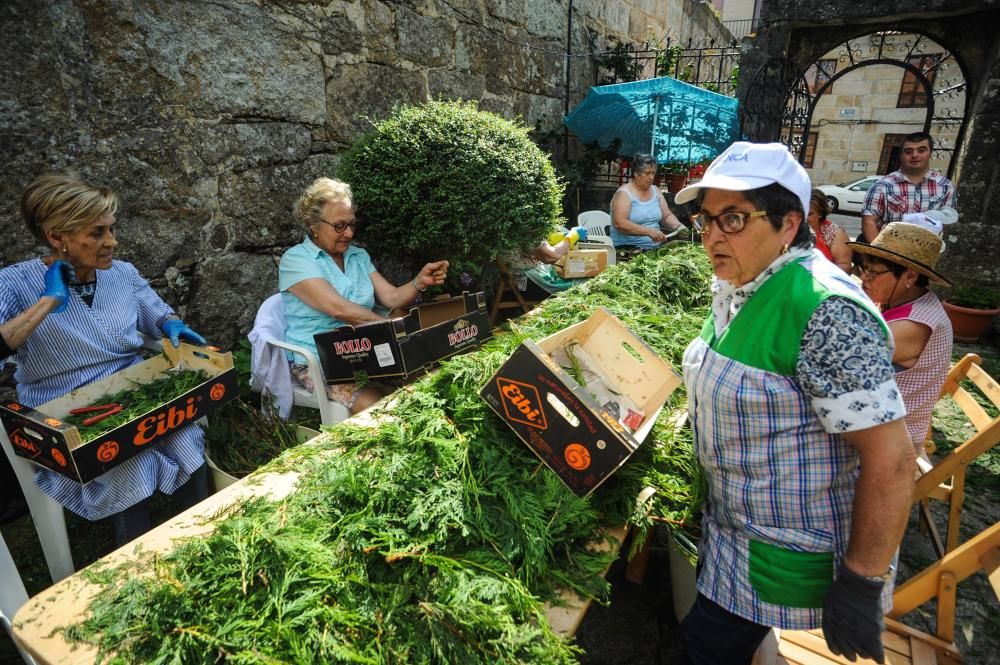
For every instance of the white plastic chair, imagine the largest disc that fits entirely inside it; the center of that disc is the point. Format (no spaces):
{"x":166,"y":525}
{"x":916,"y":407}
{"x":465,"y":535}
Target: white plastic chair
{"x":597,"y":223}
{"x":12,"y":594}
{"x":330,"y":412}
{"x":46,"y":513}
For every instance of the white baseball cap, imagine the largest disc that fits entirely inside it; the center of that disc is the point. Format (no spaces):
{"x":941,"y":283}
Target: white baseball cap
{"x":744,"y":166}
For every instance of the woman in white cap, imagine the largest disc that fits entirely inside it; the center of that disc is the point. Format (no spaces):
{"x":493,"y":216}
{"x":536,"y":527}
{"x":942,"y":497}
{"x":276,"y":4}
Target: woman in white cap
{"x":797,"y":421}
{"x":897,"y":270}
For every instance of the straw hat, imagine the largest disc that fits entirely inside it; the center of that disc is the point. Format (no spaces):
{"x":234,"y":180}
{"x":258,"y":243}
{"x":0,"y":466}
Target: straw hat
{"x":909,"y":245}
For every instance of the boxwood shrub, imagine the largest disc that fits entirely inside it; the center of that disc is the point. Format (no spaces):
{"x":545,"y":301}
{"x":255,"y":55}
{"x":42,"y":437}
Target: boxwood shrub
{"x":446,"y":180}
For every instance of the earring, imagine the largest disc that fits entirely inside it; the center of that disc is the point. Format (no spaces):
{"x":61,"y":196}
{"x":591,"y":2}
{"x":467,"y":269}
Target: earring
{"x":65,"y":250}
{"x":784,"y":250}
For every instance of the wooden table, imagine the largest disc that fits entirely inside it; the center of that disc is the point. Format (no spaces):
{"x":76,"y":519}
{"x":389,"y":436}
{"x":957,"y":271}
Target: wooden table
{"x":37,"y":625}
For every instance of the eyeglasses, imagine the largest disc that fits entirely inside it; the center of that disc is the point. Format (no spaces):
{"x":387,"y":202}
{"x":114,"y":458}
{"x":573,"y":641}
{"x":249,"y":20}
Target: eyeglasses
{"x":340,"y":227}
{"x":728,"y":222}
{"x":872,"y":274}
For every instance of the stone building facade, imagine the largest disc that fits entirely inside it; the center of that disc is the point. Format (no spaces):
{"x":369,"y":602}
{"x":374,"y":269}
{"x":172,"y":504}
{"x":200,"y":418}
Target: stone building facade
{"x":799,"y":32}
{"x":859,"y":120}
{"x":208,"y":118}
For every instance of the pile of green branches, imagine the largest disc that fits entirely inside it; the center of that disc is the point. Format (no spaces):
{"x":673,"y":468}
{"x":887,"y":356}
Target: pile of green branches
{"x":432,"y":536}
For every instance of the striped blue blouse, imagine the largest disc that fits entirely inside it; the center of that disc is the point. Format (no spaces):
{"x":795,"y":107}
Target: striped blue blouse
{"x":84,"y":344}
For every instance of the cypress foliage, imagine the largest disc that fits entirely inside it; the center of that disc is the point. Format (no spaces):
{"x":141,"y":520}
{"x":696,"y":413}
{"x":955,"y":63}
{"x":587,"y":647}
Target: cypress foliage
{"x":431,"y":537}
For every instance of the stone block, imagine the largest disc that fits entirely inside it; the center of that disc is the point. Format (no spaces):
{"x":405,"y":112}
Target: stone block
{"x":424,"y":40}
{"x":225,"y":292}
{"x":240,"y":60}
{"x":547,"y":18}
{"x":534,"y":109}
{"x":256,"y":205}
{"x":342,"y":31}
{"x":239,"y":146}
{"x":452,"y":84}
{"x":356,"y":93}
{"x":380,"y":32}
{"x":510,"y":11}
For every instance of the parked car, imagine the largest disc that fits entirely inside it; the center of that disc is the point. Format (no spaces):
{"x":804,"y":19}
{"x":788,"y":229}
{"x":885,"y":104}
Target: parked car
{"x":848,"y":196}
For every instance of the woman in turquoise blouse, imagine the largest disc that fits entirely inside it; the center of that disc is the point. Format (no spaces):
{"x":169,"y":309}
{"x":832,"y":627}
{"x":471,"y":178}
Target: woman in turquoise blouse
{"x":327,"y":283}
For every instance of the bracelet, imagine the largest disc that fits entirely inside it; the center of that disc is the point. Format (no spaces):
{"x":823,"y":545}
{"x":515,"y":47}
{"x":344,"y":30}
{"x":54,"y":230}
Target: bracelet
{"x":417,"y":288}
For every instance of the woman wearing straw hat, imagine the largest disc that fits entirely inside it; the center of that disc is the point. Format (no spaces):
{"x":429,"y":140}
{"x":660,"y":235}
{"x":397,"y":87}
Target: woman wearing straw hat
{"x":897,"y":269}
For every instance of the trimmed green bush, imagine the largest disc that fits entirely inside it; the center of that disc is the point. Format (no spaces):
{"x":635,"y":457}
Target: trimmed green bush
{"x":445,"y":180}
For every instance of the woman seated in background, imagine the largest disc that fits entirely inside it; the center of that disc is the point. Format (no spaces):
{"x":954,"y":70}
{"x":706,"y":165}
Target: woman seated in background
{"x":640,"y":216}
{"x":327,"y":283}
{"x":897,"y":269}
{"x":831,"y":239}
{"x":75,"y":316}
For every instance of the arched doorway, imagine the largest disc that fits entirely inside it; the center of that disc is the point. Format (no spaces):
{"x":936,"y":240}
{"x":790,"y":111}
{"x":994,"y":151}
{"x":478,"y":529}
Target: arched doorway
{"x":850,"y":107}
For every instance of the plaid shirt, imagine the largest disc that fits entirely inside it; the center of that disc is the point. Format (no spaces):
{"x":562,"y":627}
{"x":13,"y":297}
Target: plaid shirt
{"x":893,"y":196}
{"x":778,"y":470}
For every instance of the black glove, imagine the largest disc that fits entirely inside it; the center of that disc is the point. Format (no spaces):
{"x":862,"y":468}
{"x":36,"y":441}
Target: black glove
{"x":852,"y":616}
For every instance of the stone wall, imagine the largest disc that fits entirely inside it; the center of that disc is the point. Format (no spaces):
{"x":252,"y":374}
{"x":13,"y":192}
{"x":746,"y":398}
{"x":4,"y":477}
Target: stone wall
{"x":208,"y":118}
{"x":803,"y":30}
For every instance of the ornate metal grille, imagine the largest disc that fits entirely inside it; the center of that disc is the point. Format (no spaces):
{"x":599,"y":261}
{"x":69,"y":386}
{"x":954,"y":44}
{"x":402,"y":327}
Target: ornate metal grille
{"x":935,"y":81}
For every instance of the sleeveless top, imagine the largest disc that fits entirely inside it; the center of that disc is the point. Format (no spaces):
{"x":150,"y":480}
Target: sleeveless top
{"x":780,"y":475}
{"x":921,"y":384}
{"x":645,"y":213}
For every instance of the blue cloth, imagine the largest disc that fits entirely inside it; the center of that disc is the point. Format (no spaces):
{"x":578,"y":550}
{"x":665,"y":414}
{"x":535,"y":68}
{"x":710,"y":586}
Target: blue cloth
{"x":82,"y":345}
{"x":306,"y":260}
{"x":644,"y":213}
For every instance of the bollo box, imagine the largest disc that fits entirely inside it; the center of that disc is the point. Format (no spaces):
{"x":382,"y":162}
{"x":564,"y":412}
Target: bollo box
{"x":404,"y":345}
{"x":582,"y":441}
{"x":41,"y":436}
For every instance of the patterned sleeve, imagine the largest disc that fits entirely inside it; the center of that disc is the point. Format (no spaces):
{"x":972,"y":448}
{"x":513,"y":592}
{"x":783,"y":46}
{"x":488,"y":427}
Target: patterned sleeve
{"x":845,"y":365}
{"x":875,"y":200}
{"x":152,"y":309}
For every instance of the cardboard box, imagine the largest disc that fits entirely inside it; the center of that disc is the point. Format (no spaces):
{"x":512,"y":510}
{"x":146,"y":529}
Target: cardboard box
{"x":41,"y":436}
{"x":404,"y":345}
{"x":581,"y":441}
{"x":582,"y":263}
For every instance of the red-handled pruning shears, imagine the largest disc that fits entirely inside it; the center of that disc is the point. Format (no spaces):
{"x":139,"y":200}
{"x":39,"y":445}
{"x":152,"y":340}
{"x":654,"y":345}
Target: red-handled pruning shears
{"x":102,"y":411}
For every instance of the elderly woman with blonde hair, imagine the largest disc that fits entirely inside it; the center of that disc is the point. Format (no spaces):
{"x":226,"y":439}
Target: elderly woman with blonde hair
{"x":326,"y":282}
{"x":75,"y":316}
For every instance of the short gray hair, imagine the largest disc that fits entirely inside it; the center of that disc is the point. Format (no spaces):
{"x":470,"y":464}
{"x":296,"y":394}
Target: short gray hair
{"x":643,"y":161}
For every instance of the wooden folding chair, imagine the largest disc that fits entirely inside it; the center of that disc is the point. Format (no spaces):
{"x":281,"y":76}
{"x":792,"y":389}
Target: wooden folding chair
{"x":507,"y":294}
{"x":904,"y":645}
{"x":945,"y":480}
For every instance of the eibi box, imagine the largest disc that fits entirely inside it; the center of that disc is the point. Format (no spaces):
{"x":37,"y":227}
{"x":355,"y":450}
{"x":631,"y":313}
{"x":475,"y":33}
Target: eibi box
{"x":583,"y":440}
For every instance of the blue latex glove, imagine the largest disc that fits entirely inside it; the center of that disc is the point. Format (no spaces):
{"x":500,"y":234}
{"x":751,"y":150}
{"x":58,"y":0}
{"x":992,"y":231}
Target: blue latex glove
{"x":175,"y":329}
{"x":57,"y":279}
{"x":579,"y":232}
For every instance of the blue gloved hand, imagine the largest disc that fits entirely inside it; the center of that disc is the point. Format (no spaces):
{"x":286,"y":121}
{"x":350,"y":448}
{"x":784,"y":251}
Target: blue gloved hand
{"x":580,"y":232}
{"x":175,"y":329}
{"x":57,"y":280}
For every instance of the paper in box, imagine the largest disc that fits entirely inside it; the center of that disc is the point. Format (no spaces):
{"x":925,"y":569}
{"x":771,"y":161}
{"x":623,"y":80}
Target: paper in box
{"x":581,"y":441}
{"x":582,"y":263}
{"x":404,"y":345}
{"x":41,"y":436}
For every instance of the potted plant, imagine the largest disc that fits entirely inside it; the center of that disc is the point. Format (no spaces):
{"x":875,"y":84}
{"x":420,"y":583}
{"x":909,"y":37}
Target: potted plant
{"x":676,"y":175}
{"x":971,"y":310}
